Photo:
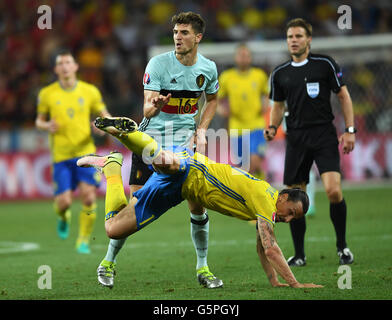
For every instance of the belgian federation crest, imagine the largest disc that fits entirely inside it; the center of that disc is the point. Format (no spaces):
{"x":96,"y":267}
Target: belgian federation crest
{"x":313,"y":89}
{"x":200,"y":80}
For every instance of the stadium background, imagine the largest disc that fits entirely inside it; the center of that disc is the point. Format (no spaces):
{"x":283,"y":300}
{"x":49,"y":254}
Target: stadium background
{"x":113,"y":40}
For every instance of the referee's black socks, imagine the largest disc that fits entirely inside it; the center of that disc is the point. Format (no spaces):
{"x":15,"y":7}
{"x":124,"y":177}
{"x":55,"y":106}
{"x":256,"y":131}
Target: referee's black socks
{"x":338,"y":214}
{"x":298,"y":228}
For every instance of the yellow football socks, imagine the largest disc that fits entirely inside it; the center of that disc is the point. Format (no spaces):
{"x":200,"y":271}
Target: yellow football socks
{"x":64,"y":215}
{"x":115,"y":198}
{"x":141,"y":144}
{"x":87,"y":218}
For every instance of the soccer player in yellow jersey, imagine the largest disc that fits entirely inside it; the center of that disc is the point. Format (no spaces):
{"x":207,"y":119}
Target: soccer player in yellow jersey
{"x":64,"y":110}
{"x":243,"y":97}
{"x":180,"y":175}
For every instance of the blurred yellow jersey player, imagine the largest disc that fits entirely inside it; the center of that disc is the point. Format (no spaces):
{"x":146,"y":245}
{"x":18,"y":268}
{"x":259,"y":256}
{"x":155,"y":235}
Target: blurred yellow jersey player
{"x":244,"y":91}
{"x":64,"y":109}
{"x":243,"y":96}
{"x":71,"y":109}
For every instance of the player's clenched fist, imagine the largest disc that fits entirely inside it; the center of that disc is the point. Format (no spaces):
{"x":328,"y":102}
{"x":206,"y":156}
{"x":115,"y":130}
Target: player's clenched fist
{"x":270,"y":133}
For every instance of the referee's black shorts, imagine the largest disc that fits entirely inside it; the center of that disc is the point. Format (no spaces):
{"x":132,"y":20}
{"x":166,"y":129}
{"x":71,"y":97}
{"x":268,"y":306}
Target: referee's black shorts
{"x":303,"y":146}
{"x":140,"y":172}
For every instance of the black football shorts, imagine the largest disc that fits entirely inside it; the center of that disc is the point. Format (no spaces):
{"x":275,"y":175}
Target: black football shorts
{"x":304,"y":146}
{"x":140,"y":172}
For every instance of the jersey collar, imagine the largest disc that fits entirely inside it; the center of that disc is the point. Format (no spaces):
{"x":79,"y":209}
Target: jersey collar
{"x":70,"y":89}
{"x":299,"y":64}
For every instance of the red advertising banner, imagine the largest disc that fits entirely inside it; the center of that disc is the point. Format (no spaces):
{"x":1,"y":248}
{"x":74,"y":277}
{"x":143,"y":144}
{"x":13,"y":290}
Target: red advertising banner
{"x":27,"y":175}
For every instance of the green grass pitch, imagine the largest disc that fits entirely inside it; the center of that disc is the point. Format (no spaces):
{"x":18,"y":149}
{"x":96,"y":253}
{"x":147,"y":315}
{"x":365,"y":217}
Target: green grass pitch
{"x":158,"y":263}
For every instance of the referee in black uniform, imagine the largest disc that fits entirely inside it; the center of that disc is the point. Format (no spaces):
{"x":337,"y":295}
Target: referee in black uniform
{"x":305,"y":83}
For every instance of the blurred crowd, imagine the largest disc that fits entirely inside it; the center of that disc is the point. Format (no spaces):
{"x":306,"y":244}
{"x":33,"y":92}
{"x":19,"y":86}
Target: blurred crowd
{"x":110,"y":40}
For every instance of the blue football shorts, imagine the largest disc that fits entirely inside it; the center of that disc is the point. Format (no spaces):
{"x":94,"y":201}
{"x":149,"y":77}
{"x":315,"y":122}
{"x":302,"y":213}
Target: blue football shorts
{"x":67,"y":175}
{"x":247,"y":144}
{"x":160,"y":193}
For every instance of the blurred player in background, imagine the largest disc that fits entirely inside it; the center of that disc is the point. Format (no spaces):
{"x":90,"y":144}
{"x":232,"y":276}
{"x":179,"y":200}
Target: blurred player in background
{"x":245,"y":89}
{"x":305,"y":83}
{"x":64,"y":110}
{"x":173,"y":84}
{"x":181,"y":174}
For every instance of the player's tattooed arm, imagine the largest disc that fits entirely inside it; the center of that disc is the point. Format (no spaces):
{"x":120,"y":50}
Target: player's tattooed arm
{"x":268,"y":269}
{"x":271,"y":256}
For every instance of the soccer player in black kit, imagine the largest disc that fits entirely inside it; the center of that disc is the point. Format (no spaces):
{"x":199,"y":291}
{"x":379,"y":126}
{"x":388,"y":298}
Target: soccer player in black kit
{"x":305,"y":83}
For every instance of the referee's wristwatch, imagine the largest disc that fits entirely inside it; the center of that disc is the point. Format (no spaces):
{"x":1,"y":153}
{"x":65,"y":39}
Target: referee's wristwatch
{"x":350,"y":129}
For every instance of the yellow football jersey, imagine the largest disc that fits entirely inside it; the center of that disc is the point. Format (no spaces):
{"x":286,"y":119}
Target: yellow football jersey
{"x":244,"y":91}
{"x":228,"y":190}
{"x":71,"y":109}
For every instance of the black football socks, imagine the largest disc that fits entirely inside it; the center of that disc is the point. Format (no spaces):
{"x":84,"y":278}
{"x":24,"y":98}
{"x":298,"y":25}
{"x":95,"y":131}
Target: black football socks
{"x":298,"y":228}
{"x":338,"y":214}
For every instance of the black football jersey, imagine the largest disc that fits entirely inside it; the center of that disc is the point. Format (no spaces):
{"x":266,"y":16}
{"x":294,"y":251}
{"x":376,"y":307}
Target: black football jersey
{"x":306,"y":87}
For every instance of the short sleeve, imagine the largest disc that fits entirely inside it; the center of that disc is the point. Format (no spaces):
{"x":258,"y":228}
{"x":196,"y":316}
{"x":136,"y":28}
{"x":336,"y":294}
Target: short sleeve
{"x":97,"y":101}
{"x":222,"y":85}
{"x":335,"y":75}
{"x":276,"y":92}
{"x":152,"y":79}
{"x":264,"y":83}
{"x":213,"y":85}
{"x":42,"y":103}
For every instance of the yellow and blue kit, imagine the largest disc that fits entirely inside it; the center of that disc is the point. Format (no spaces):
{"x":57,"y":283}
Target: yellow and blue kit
{"x":216,"y":186}
{"x":244,"y":91}
{"x":71,"y":109}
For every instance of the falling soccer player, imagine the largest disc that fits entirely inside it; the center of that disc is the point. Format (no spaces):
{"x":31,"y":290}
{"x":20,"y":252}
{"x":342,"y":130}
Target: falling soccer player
{"x":181,"y":174}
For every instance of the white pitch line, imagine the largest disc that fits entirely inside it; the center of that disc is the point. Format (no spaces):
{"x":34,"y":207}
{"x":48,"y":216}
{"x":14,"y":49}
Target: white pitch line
{"x":13,"y":246}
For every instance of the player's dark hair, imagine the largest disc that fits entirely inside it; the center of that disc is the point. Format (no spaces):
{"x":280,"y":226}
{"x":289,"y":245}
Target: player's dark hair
{"x":194,"y":19}
{"x":64,"y":52}
{"x":60,"y":53}
{"x":296,"y":195}
{"x":299,"y":22}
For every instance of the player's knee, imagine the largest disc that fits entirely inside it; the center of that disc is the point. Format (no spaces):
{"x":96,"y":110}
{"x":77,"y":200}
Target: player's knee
{"x":111,"y":231}
{"x":63,"y":203}
{"x":89,"y":199}
{"x":334,"y":194}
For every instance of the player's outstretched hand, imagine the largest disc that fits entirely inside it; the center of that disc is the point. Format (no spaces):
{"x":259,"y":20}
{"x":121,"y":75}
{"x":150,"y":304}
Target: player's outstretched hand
{"x":160,"y":101}
{"x":307,"y":285}
{"x":280,"y":285}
